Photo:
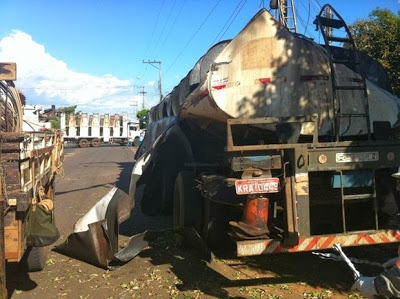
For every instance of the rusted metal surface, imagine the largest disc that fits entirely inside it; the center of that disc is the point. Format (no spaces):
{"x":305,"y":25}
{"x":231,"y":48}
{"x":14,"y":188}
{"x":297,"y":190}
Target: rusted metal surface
{"x":10,"y":147}
{"x":3,"y":290}
{"x":11,"y":170}
{"x":388,"y":155}
{"x":231,"y":147}
{"x":10,"y":156}
{"x":258,"y":247}
{"x":254,"y":223}
{"x":8,"y":71}
{"x":267,"y":162}
{"x":11,"y":137}
{"x":291,"y":213}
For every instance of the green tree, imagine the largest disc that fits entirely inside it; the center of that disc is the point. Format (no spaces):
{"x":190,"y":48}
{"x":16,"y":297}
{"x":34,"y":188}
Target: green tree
{"x":143,"y":117}
{"x":379,"y":37}
{"x":55,"y":123}
{"x":68,"y":111}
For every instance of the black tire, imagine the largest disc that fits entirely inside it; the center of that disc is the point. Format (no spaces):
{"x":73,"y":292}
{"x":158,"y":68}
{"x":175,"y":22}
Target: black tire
{"x":136,"y":141}
{"x":95,"y":142}
{"x":83,"y":143}
{"x":36,"y":259}
{"x":187,"y":205}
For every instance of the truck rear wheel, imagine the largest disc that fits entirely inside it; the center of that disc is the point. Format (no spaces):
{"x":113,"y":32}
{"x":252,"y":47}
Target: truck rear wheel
{"x":83,"y":143}
{"x":36,"y":259}
{"x":95,"y":142}
{"x":187,"y":205}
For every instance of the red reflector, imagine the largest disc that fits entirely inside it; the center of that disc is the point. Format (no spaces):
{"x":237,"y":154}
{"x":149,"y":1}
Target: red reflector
{"x":203,"y":93}
{"x":358,"y":80}
{"x":265,"y":80}
{"x":219,"y":86}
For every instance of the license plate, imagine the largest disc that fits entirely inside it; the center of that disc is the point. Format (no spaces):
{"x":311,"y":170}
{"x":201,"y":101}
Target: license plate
{"x":256,"y":186}
{"x":357,"y":157}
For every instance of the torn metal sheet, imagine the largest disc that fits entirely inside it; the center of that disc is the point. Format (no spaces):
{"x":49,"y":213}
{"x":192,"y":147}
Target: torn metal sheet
{"x":95,"y":236}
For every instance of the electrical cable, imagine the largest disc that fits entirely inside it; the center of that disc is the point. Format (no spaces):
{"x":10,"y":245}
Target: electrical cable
{"x":226,"y":23}
{"x":192,"y":37}
{"x":154,"y":28}
{"x":163,"y":28}
{"x":144,"y":75}
{"x":173,"y":25}
{"x":233,"y":20}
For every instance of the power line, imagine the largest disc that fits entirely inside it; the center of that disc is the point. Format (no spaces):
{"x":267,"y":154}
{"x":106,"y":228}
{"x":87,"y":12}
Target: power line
{"x":226,"y":23}
{"x":233,"y":19}
{"x":163,"y":28}
{"x":154,"y":28}
{"x":308,"y":10}
{"x":192,"y":37}
{"x":144,"y":74}
{"x":173,"y":25}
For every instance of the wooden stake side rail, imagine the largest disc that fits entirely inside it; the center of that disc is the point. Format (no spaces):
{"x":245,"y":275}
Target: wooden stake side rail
{"x":28,"y":160}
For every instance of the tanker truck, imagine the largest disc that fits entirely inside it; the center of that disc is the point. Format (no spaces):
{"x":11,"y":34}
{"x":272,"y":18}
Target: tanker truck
{"x":29,"y":163}
{"x":274,"y":143}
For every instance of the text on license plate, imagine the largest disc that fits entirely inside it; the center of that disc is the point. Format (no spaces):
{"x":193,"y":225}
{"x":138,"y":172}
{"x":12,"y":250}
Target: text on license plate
{"x":254,"y":186}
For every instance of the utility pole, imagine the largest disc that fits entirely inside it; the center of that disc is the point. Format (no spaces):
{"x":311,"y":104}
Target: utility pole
{"x":143,"y":93}
{"x":135,"y":105}
{"x":152,"y":63}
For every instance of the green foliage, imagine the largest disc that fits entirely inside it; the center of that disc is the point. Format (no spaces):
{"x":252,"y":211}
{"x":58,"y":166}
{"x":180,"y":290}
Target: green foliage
{"x":143,"y":117}
{"x":55,"y":123}
{"x":379,"y":37}
{"x":69,"y":110}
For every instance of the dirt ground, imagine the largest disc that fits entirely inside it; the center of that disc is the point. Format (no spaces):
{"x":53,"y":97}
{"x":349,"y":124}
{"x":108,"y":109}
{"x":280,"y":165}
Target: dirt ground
{"x":167,"y":268}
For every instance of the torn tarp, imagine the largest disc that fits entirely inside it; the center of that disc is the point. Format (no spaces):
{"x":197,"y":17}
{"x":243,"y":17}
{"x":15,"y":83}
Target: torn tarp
{"x":95,"y":237}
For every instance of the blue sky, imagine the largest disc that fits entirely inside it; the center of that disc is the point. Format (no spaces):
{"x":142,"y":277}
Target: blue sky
{"x":91,"y":53}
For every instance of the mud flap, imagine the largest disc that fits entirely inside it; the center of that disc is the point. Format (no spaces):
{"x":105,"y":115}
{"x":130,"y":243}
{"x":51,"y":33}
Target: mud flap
{"x":95,"y":236}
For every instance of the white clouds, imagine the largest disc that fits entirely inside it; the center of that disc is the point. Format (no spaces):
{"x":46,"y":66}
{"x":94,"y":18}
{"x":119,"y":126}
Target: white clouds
{"x":46,"y":80}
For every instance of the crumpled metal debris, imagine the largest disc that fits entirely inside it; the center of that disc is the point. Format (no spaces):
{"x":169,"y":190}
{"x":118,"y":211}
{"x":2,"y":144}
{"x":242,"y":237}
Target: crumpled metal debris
{"x":95,"y":236}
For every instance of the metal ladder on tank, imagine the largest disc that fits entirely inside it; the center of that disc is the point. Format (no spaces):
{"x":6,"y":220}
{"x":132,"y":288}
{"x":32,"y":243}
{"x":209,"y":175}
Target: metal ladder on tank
{"x":328,"y":21}
{"x":287,"y":15}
